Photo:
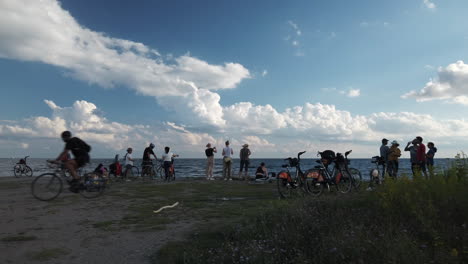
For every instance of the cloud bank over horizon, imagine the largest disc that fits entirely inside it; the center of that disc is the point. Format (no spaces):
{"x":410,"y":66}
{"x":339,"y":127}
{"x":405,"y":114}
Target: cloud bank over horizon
{"x":311,"y":127}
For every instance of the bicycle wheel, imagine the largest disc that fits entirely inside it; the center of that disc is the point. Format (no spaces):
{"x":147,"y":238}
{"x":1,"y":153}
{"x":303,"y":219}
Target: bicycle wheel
{"x":27,"y":171}
{"x":147,"y":173}
{"x":17,"y":170}
{"x":171,"y":176}
{"x":343,"y":181}
{"x":284,"y":188}
{"x":132,"y":173}
{"x":314,"y":187}
{"x":160,"y":172}
{"x":356,"y":177}
{"x":93,"y":185}
{"x":46,"y":187}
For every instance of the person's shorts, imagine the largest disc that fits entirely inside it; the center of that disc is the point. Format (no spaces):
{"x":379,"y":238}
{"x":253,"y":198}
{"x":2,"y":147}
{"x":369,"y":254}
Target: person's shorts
{"x":82,"y":160}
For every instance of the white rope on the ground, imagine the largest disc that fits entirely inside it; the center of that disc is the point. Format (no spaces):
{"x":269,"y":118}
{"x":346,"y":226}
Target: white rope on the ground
{"x":165,"y":207}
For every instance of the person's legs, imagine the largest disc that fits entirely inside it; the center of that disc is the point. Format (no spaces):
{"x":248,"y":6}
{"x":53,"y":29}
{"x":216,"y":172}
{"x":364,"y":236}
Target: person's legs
{"x":242,"y":164}
{"x":207,"y":170}
{"x":384,"y":170}
{"x":128,"y":170}
{"x":167,"y":165}
{"x":396,"y":164}
{"x":390,"y":168}
{"x":430,"y":167}
{"x":224,"y":169}
{"x":209,"y":167}
{"x":72,"y":166}
{"x":423,"y":169}
{"x":229,"y":169}
{"x":246,"y":168}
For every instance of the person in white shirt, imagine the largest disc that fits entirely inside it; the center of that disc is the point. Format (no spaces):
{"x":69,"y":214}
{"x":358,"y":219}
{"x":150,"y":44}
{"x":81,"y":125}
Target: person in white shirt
{"x":167,"y":161}
{"x":227,"y":161}
{"x":128,"y":163}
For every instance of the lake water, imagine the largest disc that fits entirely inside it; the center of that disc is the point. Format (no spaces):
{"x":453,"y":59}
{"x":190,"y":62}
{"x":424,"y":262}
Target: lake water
{"x":196,"y":167}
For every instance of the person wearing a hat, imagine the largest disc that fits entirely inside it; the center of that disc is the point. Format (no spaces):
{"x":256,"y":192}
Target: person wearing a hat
{"x":393,"y":157}
{"x":128,"y":162}
{"x":384,"y":150}
{"x":244,"y":161}
{"x":209,"y":161}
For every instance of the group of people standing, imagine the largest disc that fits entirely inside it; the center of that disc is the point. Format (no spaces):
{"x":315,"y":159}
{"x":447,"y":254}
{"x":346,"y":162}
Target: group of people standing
{"x":227,"y":155}
{"x":167,"y":158}
{"x":421,"y":161}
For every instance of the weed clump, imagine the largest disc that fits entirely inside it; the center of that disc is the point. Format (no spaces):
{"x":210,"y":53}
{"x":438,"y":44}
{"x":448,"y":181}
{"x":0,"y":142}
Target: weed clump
{"x":405,"y":221}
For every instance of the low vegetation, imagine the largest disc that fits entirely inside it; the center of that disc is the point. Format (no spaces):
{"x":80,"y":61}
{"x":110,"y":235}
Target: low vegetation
{"x":404,"y":221}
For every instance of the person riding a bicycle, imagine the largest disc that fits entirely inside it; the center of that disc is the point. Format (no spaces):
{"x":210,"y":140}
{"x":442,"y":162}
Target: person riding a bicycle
{"x":80,"y":151}
{"x":147,"y":161}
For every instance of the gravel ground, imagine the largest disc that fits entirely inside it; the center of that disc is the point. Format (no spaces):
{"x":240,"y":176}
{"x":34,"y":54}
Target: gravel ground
{"x":62,"y":231}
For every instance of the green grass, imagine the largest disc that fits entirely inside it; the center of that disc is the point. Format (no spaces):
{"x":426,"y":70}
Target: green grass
{"x":198,"y":201}
{"x":18,"y":238}
{"x":404,"y":221}
{"x":48,"y":254}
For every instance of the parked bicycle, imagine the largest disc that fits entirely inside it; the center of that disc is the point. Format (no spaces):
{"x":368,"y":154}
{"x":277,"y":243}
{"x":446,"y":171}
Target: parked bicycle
{"x":321,"y":177}
{"x":356,"y":176}
{"x":22,"y":169}
{"x":289,"y":184}
{"x":49,"y":186}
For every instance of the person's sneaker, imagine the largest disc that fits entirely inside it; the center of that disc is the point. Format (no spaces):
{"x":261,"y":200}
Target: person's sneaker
{"x":230,"y":179}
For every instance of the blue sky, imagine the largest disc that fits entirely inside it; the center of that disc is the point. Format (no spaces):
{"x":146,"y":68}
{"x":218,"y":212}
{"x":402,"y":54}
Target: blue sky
{"x":282,"y":76}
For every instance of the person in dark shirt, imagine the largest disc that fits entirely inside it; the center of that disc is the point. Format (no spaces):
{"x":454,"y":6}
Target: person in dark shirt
{"x":244,"y":160}
{"x":80,"y":151}
{"x":430,"y":157}
{"x":262,"y":172}
{"x":147,"y":155}
{"x":421,"y":155}
{"x":209,"y":152}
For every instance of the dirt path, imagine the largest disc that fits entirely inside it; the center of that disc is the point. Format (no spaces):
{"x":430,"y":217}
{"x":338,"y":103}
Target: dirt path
{"x":73,"y":229}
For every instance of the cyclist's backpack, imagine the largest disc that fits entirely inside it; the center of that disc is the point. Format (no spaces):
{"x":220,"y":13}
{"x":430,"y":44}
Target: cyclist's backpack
{"x":86,"y":147}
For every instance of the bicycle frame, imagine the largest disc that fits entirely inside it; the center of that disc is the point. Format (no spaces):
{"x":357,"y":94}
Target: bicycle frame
{"x":334,"y":176}
{"x":286,"y":181}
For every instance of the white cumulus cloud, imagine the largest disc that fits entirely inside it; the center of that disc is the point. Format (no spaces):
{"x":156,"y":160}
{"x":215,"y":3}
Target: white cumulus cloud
{"x":43,"y":31}
{"x":429,"y":4}
{"x":450,"y":85}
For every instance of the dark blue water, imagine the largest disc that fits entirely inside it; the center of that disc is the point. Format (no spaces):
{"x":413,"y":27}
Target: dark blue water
{"x":196,"y":167}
